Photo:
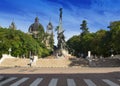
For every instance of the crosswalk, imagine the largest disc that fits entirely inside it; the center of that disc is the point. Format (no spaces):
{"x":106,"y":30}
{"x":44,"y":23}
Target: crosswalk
{"x":19,"y":82}
{"x":53,"y":82}
{"x":89,"y":82}
{"x":7,"y":80}
{"x":110,"y":82}
{"x":36,"y":82}
{"x":71,"y":82}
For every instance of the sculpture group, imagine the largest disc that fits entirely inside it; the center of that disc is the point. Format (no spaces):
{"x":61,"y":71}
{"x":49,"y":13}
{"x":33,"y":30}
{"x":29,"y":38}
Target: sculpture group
{"x":61,"y":46}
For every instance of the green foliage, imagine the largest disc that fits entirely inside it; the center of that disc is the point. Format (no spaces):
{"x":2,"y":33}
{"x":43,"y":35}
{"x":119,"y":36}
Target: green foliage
{"x":99,"y":43}
{"x":20,"y":43}
{"x":86,"y":42}
{"x":74,"y":45}
{"x":84,"y":27}
{"x":41,"y":33}
{"x":115,"y":34}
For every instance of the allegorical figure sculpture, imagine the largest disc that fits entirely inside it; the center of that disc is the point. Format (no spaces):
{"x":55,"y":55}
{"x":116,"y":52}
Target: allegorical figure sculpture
{"x":61,"y":38}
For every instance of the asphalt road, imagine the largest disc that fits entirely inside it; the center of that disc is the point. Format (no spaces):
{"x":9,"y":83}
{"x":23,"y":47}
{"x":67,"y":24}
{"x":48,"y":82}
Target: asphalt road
{"x":34,"y":77}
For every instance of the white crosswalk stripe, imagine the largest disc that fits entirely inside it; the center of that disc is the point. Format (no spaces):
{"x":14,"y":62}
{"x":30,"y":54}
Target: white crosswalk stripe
{"x":7,"y":80}
{"x":71,"y":82}
{"x":36,"y":82}
{"x":89,"y":82}
{"x":53,"y":82}
{"x":19,"y":82}
{"x":110,"y":82}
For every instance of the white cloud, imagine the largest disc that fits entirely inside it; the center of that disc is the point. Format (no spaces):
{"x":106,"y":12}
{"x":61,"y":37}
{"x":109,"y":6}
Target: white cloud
{"x":98,"y":16}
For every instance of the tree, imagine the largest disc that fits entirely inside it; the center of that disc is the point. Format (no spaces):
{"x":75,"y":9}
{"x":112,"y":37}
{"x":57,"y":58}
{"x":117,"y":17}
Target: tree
{"x":84,"y":27}
{"x":20,"y":43}
{"x":99,"y":43}
{"x":115,"y":34}
{"x":86,"y":43}
{"x":74,"y":45}
{"x":41,"y":33}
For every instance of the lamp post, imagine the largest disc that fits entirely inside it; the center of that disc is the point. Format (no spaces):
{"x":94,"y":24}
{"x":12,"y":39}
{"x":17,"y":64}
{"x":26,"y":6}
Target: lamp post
{"x":112,"y":52}
{"x":9,"y":51}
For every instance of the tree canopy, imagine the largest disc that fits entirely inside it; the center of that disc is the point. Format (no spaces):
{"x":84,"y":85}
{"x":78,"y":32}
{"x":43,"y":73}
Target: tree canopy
{"x":20,"y":43}
{"x":100,"y":43}
{"x":84,"y":27}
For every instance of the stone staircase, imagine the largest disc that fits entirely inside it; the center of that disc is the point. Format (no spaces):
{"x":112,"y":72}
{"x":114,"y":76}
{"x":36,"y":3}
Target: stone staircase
{"x":61,"y":62}
{"x":78,"y":62}
{"x":18,"y":62}
{"x":105,"y":62}
{"x":52,"y":63}
{"x":14,"y":62}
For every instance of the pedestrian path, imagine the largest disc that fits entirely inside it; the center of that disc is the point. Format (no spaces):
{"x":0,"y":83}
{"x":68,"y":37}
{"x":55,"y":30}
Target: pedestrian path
{"x":16,"y":81}
{"x":71,"y":82}
{"x":19,"y":82}
{"x":110,"y":82}
{"x":53,"y":82}
{"x":36,"y":82}
{"x":7,"y":80}
{"x":89,"y":82}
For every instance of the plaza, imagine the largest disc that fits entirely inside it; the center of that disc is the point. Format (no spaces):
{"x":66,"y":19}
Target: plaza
{"x":59,"y":43}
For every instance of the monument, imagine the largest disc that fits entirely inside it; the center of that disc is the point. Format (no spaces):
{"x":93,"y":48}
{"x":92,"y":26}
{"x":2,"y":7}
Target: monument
{"x":61,"y":46}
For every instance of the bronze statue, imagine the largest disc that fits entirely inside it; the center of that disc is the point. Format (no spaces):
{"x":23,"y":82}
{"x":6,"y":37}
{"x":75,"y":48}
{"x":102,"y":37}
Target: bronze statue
{"x":61,"y":38}
{"x":60,"y":13}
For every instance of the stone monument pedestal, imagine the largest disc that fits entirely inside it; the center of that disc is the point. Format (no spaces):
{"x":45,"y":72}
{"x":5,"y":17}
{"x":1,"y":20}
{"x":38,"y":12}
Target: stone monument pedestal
{"x":62,"y":54}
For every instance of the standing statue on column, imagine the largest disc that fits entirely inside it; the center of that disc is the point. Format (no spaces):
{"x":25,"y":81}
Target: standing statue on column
{"x":61,"y":14}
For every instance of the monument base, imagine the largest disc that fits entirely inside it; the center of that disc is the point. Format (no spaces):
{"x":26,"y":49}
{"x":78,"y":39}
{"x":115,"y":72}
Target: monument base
{"x":62,"y":54}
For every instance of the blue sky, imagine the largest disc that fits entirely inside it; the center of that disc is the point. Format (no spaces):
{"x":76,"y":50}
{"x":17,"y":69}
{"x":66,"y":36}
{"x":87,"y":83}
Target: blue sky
{"x":98,"y":13}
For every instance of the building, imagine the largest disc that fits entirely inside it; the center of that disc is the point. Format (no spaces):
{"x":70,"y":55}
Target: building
{"x":49,"y":40}
{"x":12,"y":26}
{"x":36,"y":29}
